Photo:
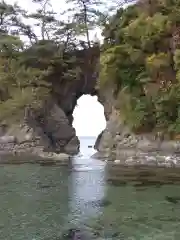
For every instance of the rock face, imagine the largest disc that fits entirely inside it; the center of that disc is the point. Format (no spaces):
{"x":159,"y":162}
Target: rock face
{"x":46,"y":131}
{"x":50,"y":128}
{"x":119,"y":145}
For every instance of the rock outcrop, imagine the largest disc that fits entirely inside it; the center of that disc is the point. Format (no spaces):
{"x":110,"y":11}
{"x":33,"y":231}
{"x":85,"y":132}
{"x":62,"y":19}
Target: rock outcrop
{"x":50,"y":129}
{"x":48,"y":132}
{"x":118,"y":144}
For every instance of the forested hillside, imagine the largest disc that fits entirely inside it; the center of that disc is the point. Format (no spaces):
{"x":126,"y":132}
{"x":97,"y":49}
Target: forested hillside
{"x":141,"y":57}
{"x":36,"y":46}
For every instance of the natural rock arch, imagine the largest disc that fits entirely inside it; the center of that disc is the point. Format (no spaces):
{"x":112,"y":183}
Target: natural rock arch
{"x":54,"y":123}
{"x":50,"y":129}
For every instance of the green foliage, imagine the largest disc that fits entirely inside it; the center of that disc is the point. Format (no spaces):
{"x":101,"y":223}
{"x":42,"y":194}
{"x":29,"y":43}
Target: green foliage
{"x":157,"y":62}
{"x":135,"y":111}
{"x":20,"y":87}
{"x":86,"y":15}
{"x":27,"y":77}
{"x":141,"y":57}
{"x":30,"y":71}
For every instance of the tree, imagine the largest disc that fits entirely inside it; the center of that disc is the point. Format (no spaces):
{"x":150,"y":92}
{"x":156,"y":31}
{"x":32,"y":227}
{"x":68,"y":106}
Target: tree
{"x":86,"y":16}
{"x":11,"y":22}
{"x":45,"y":18}
{"x":141,"y":58}
{"x":27,"y":71}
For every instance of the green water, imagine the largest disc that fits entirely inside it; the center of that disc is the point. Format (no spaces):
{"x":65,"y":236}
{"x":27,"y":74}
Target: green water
{"x":43,"y":202}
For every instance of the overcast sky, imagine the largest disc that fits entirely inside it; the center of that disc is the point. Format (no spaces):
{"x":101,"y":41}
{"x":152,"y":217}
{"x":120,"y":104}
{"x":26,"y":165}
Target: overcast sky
{"x":89,"y":114}
{"x":89,"y":117}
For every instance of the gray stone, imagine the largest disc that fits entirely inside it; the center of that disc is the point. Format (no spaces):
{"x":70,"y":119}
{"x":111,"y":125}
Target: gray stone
{"x":117,"y":161}
{"x":3,"y":129}
{"x":101,"y":156}
{"x":147,"y":145}
{"x":125,"y":153}
{"x":7,"y":139}
{"x":170,"y":146}
{"x":56,"y":157}
{"x":98,"y":140}
{"x":72,"y":147}
{"x":118,"y":138}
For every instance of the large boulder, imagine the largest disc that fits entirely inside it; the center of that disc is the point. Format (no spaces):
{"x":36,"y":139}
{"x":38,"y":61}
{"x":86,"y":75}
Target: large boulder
{"x":53,"y":128}
{"x":73,"y":146}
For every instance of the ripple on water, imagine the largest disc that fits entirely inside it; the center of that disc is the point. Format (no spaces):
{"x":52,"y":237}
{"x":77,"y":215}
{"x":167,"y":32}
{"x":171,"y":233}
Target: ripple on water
{"x":42,"y":203}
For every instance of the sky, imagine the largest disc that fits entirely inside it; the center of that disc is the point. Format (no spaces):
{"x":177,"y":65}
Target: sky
{"x":58,"y":5}
{"x":88,"y":115}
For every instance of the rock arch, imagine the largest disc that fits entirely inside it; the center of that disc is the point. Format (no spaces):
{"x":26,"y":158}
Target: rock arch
{"x":50,"y":129}
{"x":54,"y":123}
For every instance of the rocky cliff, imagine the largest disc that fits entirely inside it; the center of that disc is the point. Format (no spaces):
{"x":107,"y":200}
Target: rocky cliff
{"x":141,"y":62}
{"x":136,"y":77}
{"x":119,"y":144}
{"x":49,"y":128}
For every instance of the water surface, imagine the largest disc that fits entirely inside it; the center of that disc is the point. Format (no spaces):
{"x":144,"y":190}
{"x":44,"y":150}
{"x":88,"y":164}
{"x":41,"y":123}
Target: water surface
{"x":41,"y":203}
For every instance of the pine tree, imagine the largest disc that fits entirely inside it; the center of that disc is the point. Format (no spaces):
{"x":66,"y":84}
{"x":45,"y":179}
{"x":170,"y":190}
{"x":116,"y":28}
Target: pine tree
{"x":45,"y":18}
{"x":85,"y":14}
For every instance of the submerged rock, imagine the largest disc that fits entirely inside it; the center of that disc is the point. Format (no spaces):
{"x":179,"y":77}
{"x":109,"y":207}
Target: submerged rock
{"x":74,"y":234}
{"x":99,"y":203}
{"x":173,"y":199}
{"x":117,"y":161}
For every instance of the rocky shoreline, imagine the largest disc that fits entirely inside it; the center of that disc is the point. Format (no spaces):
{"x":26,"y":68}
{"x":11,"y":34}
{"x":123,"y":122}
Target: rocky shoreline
{"x":20,"y":143}
{"x":135,"y":158}
{"x":117,"y":144}
{"x":29,"y":152}
{"x":43,"y":159}
{"x":122,"y":154}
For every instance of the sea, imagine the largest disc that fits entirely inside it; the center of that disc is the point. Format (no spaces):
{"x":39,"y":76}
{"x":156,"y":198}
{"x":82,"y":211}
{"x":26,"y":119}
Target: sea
{"x":48,"y":202}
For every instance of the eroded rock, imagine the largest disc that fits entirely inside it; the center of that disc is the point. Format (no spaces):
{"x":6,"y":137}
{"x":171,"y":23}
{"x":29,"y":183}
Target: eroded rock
{"x":7,"y":139}
{"x":72,"y":147}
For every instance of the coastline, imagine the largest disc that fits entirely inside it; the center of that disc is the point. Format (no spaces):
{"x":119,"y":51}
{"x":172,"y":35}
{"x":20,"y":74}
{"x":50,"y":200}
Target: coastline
{"x":134,"y":157}
{"x":117,"y":151}
{"x":42,"y":158}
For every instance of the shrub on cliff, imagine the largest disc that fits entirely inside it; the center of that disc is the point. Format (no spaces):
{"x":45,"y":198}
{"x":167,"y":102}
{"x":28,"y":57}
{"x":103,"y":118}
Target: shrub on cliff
{"x":29,"y":69}
{"x":141,"y":56}
{"x":35,"y":67}
{"x":20,"y":86}
{"x":27,"y":75}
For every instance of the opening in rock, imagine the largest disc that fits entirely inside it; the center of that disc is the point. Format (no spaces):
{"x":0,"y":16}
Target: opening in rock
{"x":89,"y":120}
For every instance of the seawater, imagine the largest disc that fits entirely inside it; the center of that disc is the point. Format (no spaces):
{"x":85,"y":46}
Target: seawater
{"x":41,"y":203}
